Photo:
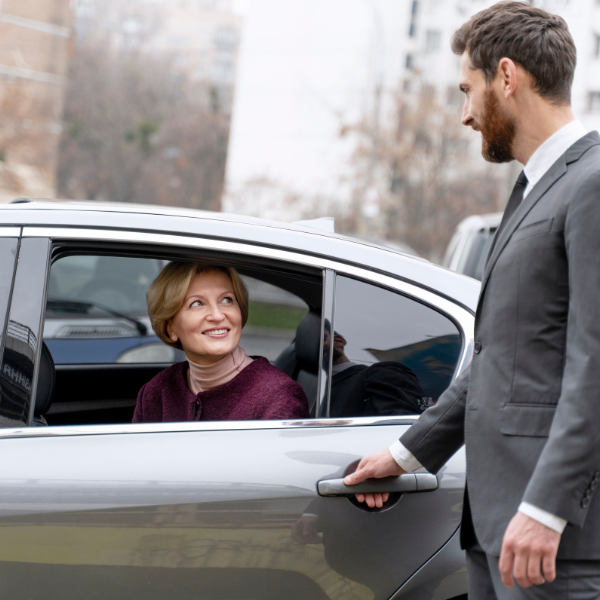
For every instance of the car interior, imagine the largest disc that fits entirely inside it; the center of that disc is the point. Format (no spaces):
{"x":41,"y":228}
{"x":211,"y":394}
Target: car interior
{"x":87,"y":392}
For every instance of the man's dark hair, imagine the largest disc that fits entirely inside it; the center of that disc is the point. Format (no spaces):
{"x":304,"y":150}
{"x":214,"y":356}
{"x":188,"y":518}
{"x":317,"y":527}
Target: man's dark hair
{"x":538,"y":41}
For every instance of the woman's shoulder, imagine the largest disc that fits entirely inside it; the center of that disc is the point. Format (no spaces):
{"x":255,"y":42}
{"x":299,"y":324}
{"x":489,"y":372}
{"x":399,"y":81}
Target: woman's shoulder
{"x":169,"y":377}
{"x":263,"y":371}
{"x":277,"y":395}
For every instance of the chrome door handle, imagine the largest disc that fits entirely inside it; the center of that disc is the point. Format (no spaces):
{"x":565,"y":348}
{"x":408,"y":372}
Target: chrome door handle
{"x":408,"y":483}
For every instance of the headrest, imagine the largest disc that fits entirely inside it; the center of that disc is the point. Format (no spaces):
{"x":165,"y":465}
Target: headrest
{"x":308,"y":341}
{"x":46,"y":382}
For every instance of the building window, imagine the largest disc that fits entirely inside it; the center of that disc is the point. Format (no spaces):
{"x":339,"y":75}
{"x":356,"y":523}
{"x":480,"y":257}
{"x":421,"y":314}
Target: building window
{"x":432,"y":41}
{"x":412,"y":32}
{"x":409,"y":61}
{"x":594,"y":102}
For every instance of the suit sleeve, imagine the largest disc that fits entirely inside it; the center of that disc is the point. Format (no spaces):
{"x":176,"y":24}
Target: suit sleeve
{"x":564,"y":478}
{"x":393,"y":389}
{"x":440,"y":430}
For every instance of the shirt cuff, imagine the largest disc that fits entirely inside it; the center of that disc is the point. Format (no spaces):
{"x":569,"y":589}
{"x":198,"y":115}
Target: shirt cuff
{"x":543,"y":517}
{"x":404,"y":458}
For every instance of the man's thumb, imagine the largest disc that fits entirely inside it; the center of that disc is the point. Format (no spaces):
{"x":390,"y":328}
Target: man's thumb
{"x":353,"y":478}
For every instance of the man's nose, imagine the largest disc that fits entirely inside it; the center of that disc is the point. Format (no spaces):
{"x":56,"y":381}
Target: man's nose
{"x":466,"y":115}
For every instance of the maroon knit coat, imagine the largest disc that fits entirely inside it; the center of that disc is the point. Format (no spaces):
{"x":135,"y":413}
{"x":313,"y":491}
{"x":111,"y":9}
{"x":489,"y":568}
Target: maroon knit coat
{"x":260,"y":391}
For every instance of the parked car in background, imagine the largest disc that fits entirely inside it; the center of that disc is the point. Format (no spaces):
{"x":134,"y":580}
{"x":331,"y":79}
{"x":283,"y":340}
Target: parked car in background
{"x":470,"y":244}
{"x":92,"y":505}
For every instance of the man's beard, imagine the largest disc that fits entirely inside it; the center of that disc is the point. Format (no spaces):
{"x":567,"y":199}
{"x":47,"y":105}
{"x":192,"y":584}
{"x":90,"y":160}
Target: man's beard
{"x":497,"y":131}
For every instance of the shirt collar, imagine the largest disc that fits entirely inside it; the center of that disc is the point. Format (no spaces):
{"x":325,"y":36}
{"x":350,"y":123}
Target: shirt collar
{"x":549,"y":152}
{"x":335,"y":369}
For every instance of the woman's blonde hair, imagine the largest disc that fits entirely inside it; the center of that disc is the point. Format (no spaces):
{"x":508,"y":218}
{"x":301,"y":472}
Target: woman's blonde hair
{"x":166,"y":294}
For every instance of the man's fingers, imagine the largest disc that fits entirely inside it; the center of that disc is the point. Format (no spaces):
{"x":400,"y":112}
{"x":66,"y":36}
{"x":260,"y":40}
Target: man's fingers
{"x":520,"y":570}
{"x":534,"y":569}
{"x":549,"y":566}
{"x":373,"y":500}
{"x":506,"y":567}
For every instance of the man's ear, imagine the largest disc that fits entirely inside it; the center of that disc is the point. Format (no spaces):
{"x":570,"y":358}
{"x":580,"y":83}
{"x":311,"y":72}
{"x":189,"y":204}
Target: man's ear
{"x":508,"y":76}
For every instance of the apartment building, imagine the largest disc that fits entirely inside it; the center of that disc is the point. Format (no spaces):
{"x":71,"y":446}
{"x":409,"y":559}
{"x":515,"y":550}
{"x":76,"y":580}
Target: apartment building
{"x":35,"y":44}
{"x":201,"y":37}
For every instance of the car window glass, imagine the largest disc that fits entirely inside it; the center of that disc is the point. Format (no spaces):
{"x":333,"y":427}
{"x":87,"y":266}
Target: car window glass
{"x":273,"y":317}
{"x":391,"y":354}
{"x":96,"y":311}
{"x":21,"y":346}
{"x":100,"y":337}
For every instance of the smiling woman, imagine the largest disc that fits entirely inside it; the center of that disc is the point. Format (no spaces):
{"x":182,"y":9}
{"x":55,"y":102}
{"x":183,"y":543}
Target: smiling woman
{"x":201,"y":309}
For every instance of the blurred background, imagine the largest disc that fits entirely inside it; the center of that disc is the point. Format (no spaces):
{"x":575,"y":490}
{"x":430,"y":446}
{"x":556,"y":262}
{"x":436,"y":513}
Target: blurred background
{"x":286,"y":109}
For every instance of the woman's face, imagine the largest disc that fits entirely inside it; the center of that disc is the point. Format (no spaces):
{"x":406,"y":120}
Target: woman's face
{"x":209,"y":325}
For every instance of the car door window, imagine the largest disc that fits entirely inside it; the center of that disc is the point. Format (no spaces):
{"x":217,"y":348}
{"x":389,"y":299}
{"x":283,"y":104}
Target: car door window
{"x":101,"y":341}
{"x":390,"y":354}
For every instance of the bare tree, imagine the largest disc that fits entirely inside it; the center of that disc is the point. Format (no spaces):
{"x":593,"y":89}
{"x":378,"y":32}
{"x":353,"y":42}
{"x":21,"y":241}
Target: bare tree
{"x":427,"y":175}
{"x":137,"y":130}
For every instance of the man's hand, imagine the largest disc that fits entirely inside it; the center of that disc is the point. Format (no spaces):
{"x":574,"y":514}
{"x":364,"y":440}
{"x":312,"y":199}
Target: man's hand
{"x":529,"y":552}
{"x":380,"y":464}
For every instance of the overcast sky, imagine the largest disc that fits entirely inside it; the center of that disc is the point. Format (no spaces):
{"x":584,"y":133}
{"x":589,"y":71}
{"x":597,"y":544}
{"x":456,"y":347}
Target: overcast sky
{"x":305,"y":67}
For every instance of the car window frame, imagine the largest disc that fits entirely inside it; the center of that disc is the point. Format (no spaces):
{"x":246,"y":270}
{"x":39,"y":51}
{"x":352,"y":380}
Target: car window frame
{"x":462,"y":317}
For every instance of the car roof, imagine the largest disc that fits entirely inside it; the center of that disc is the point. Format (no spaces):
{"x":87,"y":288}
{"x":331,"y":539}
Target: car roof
{"x":240,"y":228}
{"x":488,"y":221}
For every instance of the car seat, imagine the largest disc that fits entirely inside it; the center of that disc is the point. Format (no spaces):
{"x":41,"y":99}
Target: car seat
{"x":45,"y":387}
{"x":300,"y":360}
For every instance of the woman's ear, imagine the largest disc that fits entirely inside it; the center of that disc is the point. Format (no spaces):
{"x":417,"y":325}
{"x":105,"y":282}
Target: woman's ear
{"x":170,"y":332}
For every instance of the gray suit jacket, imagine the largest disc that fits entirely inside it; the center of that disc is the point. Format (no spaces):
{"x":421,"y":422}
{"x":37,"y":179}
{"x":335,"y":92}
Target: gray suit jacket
{"x":528,"y":408}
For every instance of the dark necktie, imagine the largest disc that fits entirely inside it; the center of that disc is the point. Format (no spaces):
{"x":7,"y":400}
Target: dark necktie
{"x":514,"y":201}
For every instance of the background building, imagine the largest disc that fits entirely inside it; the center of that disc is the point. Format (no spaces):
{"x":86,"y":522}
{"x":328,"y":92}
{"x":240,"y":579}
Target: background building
{"x":200,"y":37}
{"x":35,"y":44}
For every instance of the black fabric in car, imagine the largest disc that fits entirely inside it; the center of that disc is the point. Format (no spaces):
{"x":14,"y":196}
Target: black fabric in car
{"x":45,"y":386}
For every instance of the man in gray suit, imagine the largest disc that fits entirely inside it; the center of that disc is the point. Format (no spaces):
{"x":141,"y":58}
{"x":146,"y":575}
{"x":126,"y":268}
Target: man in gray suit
{"x":528,"y":408}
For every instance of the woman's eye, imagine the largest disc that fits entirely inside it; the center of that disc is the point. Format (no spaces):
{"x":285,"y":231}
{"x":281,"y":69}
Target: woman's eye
{"x":228,"y":300}
{"x":196,"y":303}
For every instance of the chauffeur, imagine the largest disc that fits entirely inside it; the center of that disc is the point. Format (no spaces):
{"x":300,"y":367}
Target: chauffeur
{"x":528,"y":408}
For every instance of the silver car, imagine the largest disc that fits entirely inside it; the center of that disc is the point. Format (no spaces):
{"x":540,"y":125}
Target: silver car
{"x":470,"y":244}
{"x":92,"y":506}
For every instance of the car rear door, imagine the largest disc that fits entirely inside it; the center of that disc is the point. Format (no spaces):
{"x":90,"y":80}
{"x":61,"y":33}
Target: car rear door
{"x":216,"y":510}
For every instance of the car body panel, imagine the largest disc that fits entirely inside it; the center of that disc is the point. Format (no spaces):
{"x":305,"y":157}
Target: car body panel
{"x":137,"y":504}
{"x":444,"y":575}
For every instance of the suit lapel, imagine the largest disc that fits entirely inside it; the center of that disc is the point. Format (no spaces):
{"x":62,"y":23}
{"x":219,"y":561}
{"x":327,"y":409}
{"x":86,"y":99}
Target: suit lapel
{"x":556,"y":171}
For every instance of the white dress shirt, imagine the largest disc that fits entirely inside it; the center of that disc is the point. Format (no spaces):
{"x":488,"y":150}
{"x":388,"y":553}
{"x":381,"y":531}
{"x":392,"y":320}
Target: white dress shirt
{"x":541,"y":160}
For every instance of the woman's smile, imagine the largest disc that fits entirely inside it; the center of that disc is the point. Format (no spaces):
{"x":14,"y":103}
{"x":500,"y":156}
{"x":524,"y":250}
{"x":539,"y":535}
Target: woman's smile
{"x":218,"y":333}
